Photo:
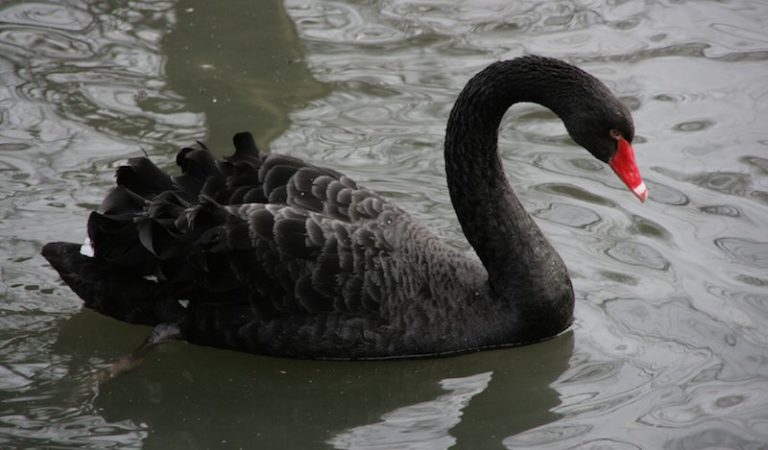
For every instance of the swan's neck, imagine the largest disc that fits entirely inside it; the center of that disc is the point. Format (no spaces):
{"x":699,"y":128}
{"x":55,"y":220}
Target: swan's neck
{"x":521,"y":264}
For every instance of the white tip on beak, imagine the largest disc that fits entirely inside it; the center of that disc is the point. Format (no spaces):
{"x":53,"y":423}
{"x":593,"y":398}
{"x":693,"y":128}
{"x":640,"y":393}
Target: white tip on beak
{"x":640,"y":191}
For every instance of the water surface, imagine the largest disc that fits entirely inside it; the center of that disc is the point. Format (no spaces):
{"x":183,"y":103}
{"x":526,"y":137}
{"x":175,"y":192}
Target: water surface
{"x":669,"y":346}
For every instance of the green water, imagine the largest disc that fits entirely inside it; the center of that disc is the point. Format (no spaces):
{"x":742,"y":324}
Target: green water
{"x":669,"y":346}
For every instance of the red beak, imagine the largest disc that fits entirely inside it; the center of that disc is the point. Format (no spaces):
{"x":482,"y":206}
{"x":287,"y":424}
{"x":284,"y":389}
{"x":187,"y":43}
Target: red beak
{"x":623,"y":163}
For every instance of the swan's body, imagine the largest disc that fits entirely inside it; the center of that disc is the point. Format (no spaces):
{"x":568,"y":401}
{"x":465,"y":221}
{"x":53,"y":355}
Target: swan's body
{"x":273,"y":255}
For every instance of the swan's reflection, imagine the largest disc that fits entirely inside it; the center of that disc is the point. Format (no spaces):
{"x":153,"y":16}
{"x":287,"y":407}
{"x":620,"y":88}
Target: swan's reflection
{"x":208,"y":398}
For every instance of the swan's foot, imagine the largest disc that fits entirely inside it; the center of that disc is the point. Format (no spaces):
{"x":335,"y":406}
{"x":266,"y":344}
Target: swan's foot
{"x":160,"y":333}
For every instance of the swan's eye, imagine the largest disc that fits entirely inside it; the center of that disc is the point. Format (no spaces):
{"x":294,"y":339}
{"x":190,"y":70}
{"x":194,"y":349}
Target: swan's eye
{"x":616,"y":134}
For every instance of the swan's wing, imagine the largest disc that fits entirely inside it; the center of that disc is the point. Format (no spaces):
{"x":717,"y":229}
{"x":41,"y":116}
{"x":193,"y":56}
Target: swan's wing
{"x":304,"y":238}
{"x":291,"y":260}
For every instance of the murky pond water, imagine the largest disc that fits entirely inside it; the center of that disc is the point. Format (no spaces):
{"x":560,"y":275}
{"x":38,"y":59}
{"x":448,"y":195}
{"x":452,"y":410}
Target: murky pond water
{"x":670,"y":344}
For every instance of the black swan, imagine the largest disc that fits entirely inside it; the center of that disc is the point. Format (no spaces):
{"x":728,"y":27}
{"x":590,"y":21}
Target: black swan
{"x":273,"y":255}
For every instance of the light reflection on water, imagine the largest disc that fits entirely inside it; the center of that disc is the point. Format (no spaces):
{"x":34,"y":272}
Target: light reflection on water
{"x":421,"y":425}
{"x":669,"y":346}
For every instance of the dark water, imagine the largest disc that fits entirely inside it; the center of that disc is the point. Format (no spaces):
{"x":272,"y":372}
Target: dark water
{"x":670,"y":345}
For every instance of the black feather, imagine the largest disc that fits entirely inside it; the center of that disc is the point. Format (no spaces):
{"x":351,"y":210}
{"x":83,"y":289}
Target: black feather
{"x":143,"y":177}
{"x":291,"y":237}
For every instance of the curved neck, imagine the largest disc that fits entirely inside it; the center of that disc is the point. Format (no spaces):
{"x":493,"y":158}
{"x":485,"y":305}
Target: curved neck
{"x":519,"y":260}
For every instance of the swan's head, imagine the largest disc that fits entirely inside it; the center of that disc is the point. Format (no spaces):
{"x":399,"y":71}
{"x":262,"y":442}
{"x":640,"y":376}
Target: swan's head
{"x":606,"y":130}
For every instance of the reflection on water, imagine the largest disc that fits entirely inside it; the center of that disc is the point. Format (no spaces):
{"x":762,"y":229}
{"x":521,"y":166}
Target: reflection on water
{"x":241,"y":64}
{"x":204,"y":397}
{"x":670,"y":342}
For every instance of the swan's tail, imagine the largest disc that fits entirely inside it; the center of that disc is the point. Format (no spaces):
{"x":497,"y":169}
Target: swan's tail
{"x":141,"y":234}
{"x":126,"y":297}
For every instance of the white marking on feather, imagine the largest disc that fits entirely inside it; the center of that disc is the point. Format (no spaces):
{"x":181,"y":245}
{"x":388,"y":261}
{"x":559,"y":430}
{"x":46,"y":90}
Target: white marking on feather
{"x":151,"y":278}
{"x":87,"y":249}
{"x":184,"y":303}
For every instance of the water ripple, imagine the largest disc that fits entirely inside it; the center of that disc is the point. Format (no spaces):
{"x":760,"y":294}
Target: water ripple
{"x":712,"y":435}
{"x":706,"y":401}
{"x":638,"y":254}
{"x":756,"y":162}
{"x":569,"y":215}
{"x":48,"y":15}
{"x":547,"y":435}
{"x":574,"y":192}
{"x":752,"y":253}
{"x":725,"y":182}
{"x":594,"y":372}
{"x":665,"y":194}
{"x":693,"y":125}
{"x":647,"y":227}
{"x":721,"y":210}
